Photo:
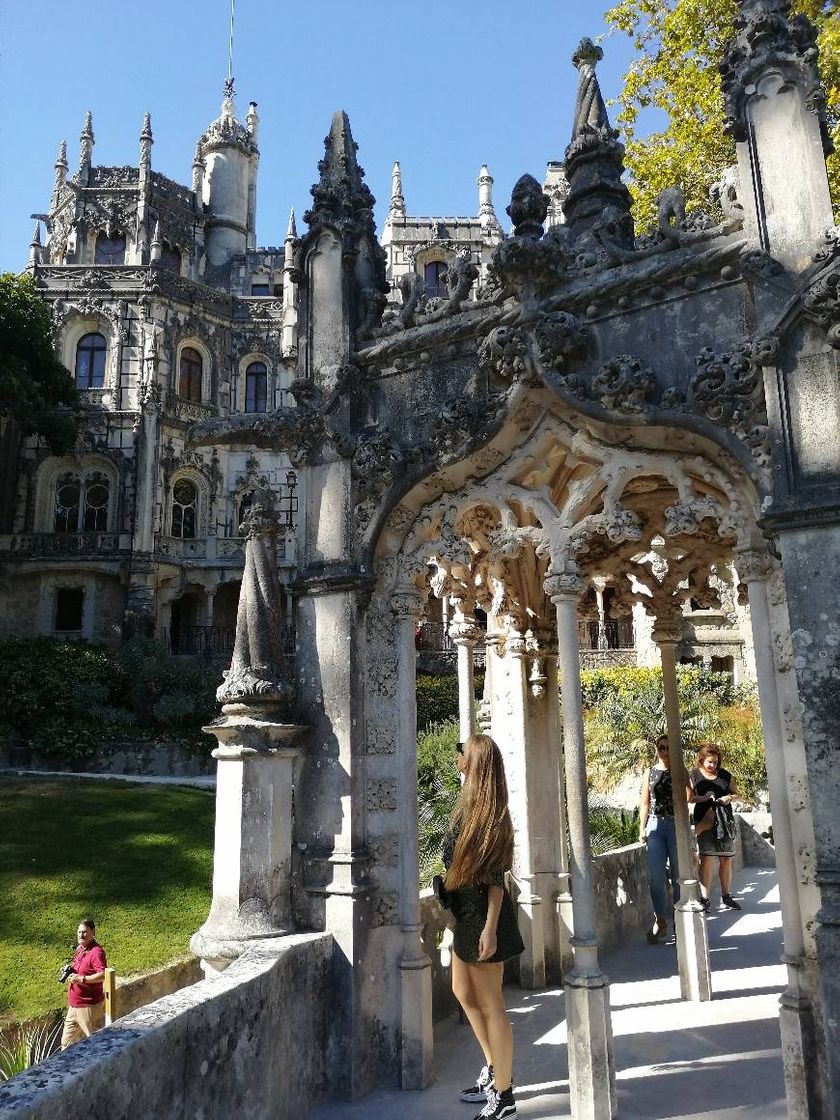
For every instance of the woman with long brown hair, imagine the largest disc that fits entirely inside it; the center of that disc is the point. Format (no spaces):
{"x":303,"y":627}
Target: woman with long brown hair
{"x":478,"y":850}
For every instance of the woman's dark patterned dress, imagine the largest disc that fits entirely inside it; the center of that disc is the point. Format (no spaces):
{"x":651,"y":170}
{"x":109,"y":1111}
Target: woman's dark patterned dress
{"x":469,"y":909}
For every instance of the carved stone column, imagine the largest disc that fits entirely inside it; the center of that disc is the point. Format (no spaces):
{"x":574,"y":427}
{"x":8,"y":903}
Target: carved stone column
{"x":464,"y":634}
{"x":591,"y":1065}
{"x":562,"y":898}
{"x":795,"y":1012}
{"x":690,"y":920}
{"x":417,"y":1041}
{"x":256,"y":755}
{"x":518,"y":745}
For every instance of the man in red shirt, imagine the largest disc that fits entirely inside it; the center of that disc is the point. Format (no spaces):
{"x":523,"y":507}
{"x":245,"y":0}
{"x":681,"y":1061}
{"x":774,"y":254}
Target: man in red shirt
{"x":86,"y":994}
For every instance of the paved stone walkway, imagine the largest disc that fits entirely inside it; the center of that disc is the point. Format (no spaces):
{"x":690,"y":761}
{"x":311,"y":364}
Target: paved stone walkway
{"x":673,"y":1059}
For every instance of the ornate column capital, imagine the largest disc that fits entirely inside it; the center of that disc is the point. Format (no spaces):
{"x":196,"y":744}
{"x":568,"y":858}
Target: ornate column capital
{"x":753,"y":565}
{"x":667,"y":626}
{"x":407,"y":602}
{"x":464,"y":631}
{"x":567,"y":584}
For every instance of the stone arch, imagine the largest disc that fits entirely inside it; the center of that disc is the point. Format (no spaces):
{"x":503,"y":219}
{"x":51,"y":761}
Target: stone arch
{"x":75,"y":323}
{"x":272,"y":378}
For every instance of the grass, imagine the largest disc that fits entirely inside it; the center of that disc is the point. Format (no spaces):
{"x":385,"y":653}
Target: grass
{"x":138,"y":859}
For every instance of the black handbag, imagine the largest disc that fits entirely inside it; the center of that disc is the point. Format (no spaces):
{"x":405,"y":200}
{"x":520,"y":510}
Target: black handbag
{"x":724,"y":826}
{"x":441,"y":893}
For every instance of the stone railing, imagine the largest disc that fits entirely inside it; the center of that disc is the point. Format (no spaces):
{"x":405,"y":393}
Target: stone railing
{"x":182,"y":548}
{"x":253,"y":1041}
{"x":64,"y":544}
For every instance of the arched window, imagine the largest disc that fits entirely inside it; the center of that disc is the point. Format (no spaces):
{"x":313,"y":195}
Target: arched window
{"x":189,"y":381}
{"x":184,"y":506}
{"x":170,"y":258}
{"x":96,"y":503}
{"x":256,"y":387}
{"x":433,"y":277}
{"x":90,"y":361}
{"x":109,"y":250}
{"x":68,"y":490}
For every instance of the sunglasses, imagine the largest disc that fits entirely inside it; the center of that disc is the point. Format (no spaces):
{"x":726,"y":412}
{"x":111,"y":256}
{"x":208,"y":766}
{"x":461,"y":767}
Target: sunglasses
{"x":459,"y":747}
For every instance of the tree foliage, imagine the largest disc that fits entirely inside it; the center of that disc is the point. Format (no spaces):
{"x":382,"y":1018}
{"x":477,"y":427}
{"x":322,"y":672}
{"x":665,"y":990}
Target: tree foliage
{"x":36,"y":390}
{"x":679,"y":45}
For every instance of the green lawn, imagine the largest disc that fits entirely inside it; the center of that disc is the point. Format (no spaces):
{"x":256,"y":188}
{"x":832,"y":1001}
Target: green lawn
{"x":138,"y":859}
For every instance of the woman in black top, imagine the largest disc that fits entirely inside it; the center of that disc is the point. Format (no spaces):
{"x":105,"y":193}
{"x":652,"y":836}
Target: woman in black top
{"x":477,"y":853}
{"x":714,"y":790}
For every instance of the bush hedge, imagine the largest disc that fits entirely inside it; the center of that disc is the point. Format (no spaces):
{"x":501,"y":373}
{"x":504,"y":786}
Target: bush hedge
{"x":67,"y":698}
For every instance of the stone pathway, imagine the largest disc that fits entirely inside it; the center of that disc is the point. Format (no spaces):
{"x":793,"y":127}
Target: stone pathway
{"x":200,"y":781}
{"x":673,"y":1059}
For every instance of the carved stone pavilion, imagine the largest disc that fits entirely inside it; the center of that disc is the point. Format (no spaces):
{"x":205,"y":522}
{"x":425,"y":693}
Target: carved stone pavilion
{"x":639,"y":411}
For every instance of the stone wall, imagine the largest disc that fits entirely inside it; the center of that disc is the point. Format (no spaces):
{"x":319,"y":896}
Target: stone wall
{"x":252,"y":1042}
{"x":622,"y":899}
{"x":136,"y":758}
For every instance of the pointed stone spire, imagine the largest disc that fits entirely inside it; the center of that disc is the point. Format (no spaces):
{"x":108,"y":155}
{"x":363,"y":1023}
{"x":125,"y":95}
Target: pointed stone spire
{"x":60,"y":173}
{"x":396,"y":209}
{"x":291,"y":228}
{"x":156,"y":248}
{"x":597,"y":200}
{"x":289,"y":243}
{"x":35,"y":245}
{"x":86,"y":142}
{"x":146,"y":141}
{"x":342,"y":199}
{"x":252,"y":120}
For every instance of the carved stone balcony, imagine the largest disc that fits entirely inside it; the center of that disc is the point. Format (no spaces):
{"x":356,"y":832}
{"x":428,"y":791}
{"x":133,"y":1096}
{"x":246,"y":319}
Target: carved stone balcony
{"x":181,"y":548}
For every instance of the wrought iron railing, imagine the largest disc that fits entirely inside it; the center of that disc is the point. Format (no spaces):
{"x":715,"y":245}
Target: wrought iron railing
{"x":614,"y":633}
{"x":199,"y":641}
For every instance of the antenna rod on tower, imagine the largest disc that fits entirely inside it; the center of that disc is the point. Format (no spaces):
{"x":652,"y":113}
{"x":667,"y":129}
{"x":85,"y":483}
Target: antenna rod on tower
{"x":229,"y":80}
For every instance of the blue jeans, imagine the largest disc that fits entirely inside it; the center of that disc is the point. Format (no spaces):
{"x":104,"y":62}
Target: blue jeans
{"x":661,"y":849}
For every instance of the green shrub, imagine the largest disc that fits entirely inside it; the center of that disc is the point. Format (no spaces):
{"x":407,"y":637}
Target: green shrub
{"x":437,"y":698}
{"x":611,"y":828}
{"x":29,"y":1044}
{"x":437,"y":789}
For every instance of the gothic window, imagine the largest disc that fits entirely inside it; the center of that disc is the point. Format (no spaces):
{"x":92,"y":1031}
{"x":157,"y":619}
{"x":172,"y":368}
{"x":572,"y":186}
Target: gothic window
{"x":260,"y":290}
{"x":189,"y":382}
{"x":109,"y":250}
{"x":433,"y":277}
{"x":256,"y":387}
{"x":184,"y":508}
{"x":68,"y":491}
{"x":96,"y":503}
{"x":69,"y":603}
{"x":170,"y":258}
{"x":90,"y":361}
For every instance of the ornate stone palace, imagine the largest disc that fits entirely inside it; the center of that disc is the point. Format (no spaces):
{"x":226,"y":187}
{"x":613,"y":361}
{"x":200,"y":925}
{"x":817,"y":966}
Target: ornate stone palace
{"x":579,"y":408}
{"x":167,"y":314}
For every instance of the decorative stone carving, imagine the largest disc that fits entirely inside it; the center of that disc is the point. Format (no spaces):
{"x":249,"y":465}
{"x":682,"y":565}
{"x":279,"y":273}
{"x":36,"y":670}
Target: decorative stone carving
{"x":384,"y":908}
{"x":561,"y":336}
{"x":385,"y":850}
{"x":528,"y":207}
{"x":382,"y":795}
{"x":257,"y":675}
{"x":728,"y":389}
{"x":505,"y":352}
{"x":769,"y":39}
{"x":623,"y":384}
{"x":380,"y":740}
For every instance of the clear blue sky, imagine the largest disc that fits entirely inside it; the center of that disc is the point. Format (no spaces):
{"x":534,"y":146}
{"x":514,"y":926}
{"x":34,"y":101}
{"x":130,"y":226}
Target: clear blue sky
{"x":443,"y":86}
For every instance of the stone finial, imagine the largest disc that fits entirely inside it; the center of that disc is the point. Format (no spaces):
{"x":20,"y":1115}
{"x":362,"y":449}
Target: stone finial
{"x":590,"y":109}
{"x":396,"y":209}
{"x":146,"y":141}
{"x":252,"y":120}
{"x":156,"y":248}
{"x":598,"y":202}
{"x":528,"y":207}
{"x":60,"y":173}
{"x":35,"y":245}
{"x":342,"y":199}
{"x":291,"y":228}
{"x":86,"y":142}
{"x":257,"y":676}
{"x":197,"y":169}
